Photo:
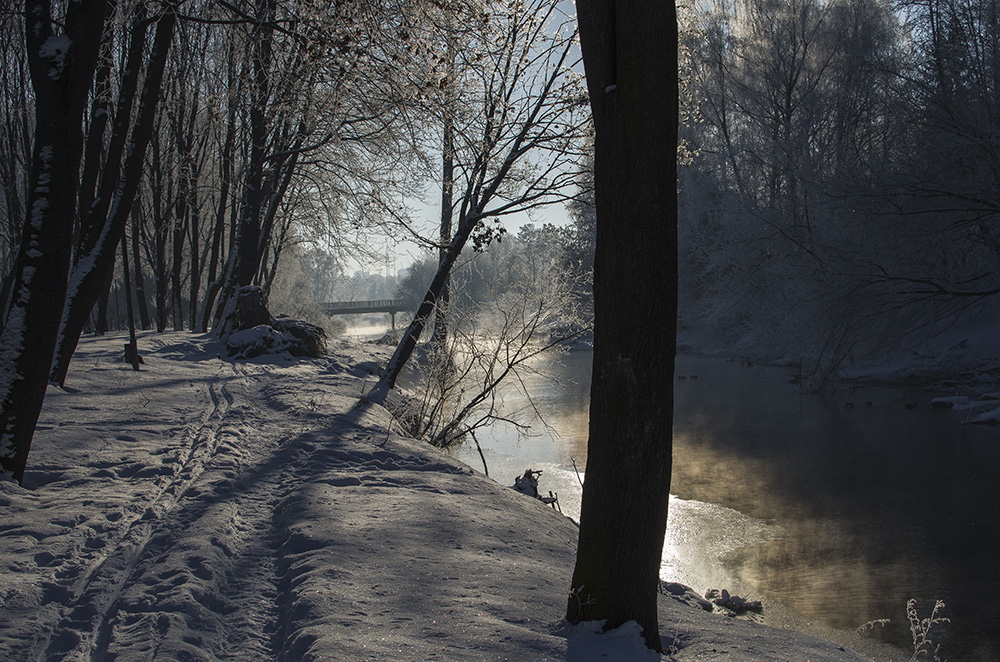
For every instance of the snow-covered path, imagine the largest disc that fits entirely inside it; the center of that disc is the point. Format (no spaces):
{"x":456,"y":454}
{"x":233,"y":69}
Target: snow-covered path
{"x":200,"y":514}
{"x":209,"y":510}
{"x":129,"y":472}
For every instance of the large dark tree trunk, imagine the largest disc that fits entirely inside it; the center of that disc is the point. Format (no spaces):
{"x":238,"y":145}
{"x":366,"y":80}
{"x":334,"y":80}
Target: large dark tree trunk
{"x":630,"y":56}
{"x":87,"y":281}
{"x":62,"y":72}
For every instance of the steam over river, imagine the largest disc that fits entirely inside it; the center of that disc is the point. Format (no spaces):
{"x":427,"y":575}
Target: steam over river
{"x":834,"y":515}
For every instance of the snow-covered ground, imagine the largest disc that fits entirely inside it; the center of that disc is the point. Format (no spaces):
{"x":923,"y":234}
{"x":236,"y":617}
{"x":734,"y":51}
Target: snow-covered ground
{"x":209,"y":510}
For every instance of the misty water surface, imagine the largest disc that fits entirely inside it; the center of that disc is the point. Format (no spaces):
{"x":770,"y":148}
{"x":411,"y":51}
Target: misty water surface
{"x":839,"y":513}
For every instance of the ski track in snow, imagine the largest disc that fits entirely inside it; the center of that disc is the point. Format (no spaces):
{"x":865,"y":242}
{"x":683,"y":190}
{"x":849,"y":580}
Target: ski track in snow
{"x":200,"y":538}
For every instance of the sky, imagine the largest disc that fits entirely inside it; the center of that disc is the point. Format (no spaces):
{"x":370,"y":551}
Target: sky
{"x":402,"y":253}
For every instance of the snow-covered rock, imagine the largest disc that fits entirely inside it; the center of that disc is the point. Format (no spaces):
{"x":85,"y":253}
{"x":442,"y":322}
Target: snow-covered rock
{"x":296,"y":337}
{"x":685,"y":595}
{"x":949,"y":402}
{"x":733,"y":603}
{"x":988,"y":416}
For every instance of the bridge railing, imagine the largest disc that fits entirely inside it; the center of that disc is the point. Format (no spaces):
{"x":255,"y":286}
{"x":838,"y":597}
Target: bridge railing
{"x":378,"y":303}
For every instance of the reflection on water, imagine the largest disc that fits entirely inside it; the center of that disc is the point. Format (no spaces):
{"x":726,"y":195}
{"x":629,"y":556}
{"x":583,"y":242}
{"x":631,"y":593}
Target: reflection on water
{"x":839,"y":513}
{"x":700,"y":540}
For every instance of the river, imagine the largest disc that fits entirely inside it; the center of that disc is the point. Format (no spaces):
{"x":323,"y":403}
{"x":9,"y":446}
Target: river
{"x":834,"y":514}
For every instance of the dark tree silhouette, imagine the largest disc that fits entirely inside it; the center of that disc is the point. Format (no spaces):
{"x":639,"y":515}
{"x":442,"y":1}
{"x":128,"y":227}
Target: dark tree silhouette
{"x":104,"y":219}
{"x":630,"y":57}
{"x":62,"y":72}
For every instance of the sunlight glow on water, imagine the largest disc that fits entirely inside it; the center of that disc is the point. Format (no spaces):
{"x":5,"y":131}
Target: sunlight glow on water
{"x":700,"y":539}
{"x":836,"y":515}
{"x":701,"y":536}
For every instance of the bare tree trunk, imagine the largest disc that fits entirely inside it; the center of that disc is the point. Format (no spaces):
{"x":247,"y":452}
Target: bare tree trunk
{"x":62,"y":72}
{"x":184,"y":206}
{"x":440,"y":337}
{"x":177,"y":262}
{"x":248,"y":236}
{"x":88,"y":277}
{"x":140,"y":281}
{"x":630,"y":55}
{"x":161,"y":277}
{"x":215,"y":252}
{"x":103,"y":301}
{"x":412,"y":334}
{"x":248,"y":248}
{"x":283,"y":173}
{"x":94,"y":208}
{"x":194,"y":268}
{"x":15,"y":149}
{"x":100,"y":112}
{"x":132,"y":349}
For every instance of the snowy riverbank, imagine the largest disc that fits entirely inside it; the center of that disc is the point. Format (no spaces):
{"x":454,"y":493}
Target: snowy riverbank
{"x":962,"y":359}
{"x":210,"y":510}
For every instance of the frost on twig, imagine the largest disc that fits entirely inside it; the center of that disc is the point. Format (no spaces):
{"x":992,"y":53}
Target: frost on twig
{"x":865,"y":628}
{"x":925,"y":630}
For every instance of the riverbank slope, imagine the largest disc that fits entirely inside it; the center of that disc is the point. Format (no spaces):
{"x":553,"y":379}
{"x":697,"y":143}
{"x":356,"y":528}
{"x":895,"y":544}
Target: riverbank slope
{"x":209,"y":510}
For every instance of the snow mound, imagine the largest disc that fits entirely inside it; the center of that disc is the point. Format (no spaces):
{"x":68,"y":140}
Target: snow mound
{"x":949,"y":402}
{"x":296,"y":337}
{"x":587,"y":643}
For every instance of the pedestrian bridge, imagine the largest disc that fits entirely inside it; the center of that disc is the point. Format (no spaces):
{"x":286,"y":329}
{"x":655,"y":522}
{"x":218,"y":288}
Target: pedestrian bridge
{"x":391,"y":306}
